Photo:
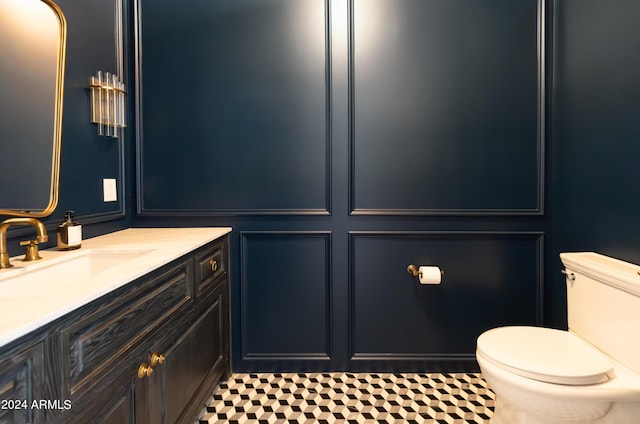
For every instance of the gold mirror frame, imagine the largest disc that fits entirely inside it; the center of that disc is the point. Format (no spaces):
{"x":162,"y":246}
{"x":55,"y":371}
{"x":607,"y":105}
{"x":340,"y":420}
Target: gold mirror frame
{"x":57,"y":122}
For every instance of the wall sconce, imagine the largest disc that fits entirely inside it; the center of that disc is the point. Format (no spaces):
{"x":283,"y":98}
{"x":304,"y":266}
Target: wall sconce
{"x":107,"y":103}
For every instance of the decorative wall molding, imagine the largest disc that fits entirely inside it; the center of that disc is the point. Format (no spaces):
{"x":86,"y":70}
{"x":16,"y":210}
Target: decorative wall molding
{"x":324,"y":265}
{"x":145,"y":210}
{"x":233,"y":212}
{"x":536,"y":237}
{"x":539,"y":210}
{"x":122,"y":34}
{"x":100,"y":211}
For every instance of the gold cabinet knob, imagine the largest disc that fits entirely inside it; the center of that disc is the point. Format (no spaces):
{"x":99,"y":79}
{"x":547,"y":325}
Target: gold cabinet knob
{"x":145,"y":371}
{"x":157,"y":358}
{"x":214,"y":265}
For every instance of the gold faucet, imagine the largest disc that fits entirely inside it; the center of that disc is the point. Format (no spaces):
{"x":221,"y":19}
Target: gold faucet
{"x":4,"y":226}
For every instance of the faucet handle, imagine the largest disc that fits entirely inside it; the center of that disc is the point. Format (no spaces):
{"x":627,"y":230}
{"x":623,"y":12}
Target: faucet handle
{"x":32,"y":250}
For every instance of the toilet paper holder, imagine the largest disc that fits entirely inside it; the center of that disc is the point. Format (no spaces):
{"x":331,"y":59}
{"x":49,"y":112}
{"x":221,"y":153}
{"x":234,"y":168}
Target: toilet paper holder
{"x":413,"y":270}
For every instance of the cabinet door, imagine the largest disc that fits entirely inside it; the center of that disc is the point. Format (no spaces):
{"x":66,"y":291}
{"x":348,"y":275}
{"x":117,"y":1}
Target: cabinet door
{"x":193,"y":365}
{"x":119,"y":397}
{"x":21,"y":384}
{"x":121,"y":408}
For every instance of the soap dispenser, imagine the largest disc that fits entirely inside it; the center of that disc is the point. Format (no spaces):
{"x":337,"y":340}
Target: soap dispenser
{"x":69,"y":233}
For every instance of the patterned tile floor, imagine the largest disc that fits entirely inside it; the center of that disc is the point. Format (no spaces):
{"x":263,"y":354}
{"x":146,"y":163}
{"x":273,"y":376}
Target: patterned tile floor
{"x":350,"y":398}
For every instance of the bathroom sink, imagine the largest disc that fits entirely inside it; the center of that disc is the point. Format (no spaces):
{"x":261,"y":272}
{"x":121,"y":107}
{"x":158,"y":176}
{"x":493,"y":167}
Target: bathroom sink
{"x":81,"y":263}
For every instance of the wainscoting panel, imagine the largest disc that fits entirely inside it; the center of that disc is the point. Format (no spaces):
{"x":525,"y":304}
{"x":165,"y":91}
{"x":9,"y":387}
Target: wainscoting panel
{"x":285,"y":295}
{"x":490,"y":279}
{"x":234,"y":104}
{"x":447,"y":107}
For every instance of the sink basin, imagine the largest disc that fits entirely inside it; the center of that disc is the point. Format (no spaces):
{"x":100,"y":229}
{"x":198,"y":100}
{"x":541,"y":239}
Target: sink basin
{"x":71,"y":265}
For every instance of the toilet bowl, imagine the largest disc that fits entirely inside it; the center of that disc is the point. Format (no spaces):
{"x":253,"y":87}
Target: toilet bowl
{"x":588,"y":374}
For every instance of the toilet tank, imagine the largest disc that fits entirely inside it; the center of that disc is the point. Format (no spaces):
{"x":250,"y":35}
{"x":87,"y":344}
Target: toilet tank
{"x":603,"y":304}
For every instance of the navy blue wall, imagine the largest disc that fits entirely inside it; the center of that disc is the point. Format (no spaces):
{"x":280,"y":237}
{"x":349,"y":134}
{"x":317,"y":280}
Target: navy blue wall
{"x":343,"y":141}
{"x":596,"y":136}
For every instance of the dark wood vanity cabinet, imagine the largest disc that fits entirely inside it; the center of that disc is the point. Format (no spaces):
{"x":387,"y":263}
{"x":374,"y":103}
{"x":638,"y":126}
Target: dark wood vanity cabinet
{"x":149,"y":352}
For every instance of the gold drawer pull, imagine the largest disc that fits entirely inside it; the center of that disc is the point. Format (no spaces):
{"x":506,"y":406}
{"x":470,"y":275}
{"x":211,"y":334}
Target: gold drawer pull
{"x":145,"y":371}
{"x":156,"y":359}
{"x":214,"y":265}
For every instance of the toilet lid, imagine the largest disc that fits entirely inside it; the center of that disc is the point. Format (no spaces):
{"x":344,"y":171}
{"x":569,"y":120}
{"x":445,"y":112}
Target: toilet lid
{"x":545,"y":354}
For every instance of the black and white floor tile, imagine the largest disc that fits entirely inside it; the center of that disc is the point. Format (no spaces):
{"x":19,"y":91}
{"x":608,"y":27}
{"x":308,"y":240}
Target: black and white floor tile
{"x":350,"y":398}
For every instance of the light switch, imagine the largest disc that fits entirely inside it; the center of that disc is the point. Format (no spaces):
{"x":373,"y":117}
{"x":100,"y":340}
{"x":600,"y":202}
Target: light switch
{"x":109,"y":189}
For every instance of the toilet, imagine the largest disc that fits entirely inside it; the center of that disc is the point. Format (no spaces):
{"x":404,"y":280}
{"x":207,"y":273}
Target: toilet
{"x":588,"y":374}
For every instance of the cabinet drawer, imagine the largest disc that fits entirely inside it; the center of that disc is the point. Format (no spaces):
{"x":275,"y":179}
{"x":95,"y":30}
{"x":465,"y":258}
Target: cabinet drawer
{"x":211,"y":265}
{"x":103,"y":334}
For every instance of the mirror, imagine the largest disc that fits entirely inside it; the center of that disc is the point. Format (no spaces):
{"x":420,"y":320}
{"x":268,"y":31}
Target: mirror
{"x":32,"y":52}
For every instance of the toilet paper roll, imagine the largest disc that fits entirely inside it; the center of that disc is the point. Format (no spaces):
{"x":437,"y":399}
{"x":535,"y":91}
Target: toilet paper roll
{"x":429,"y":275}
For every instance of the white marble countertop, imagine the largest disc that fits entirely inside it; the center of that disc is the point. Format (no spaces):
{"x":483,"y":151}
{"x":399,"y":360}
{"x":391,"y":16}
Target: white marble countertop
{"x":33,"y":294}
